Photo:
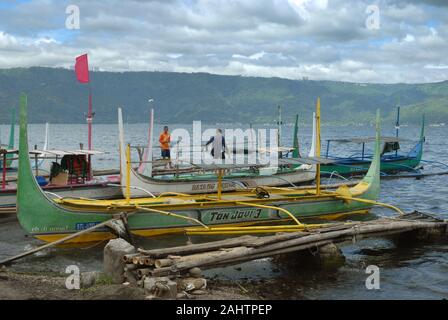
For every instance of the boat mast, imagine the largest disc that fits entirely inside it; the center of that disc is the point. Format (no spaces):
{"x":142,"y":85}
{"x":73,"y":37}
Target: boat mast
{"x":148,"y":166}
{"x":279,"y":132}
{"x":11,"y":131}
{"x":147,"y":155}
{"x":318,"y":146}
{"x":397,"y":124}
{"x":89,"y":119}
{"x":295,"y":152}
{"x":47,"y":141}
{"x":11,"y":137}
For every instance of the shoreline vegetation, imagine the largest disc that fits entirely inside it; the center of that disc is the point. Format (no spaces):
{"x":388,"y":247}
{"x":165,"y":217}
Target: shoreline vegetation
{"x":184,"y":97}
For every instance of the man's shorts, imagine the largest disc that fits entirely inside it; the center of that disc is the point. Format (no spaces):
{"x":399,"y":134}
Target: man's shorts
{"x":166,"y":153}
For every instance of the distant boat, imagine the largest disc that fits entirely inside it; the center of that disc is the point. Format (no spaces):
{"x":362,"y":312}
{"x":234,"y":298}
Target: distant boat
{"x":391,"y":159}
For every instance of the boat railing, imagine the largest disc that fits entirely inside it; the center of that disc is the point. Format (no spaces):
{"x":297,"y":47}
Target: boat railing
{"x":336,"y":174}
{"x":132,"y":187}
{"x":53,"y":194}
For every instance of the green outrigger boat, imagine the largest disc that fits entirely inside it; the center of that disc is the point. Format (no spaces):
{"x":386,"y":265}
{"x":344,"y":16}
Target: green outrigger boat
{"x":52,"y":220}
{"x":392,"y":160}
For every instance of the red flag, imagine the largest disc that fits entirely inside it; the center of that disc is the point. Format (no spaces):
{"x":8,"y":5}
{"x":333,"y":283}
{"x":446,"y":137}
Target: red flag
{"x":82,"y":68}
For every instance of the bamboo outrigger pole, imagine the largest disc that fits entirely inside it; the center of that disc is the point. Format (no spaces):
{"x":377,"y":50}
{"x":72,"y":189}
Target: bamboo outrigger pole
{"x":60,"y":241}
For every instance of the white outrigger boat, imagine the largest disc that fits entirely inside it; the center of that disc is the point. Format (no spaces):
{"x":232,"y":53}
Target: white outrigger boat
{"x":295,"y":171}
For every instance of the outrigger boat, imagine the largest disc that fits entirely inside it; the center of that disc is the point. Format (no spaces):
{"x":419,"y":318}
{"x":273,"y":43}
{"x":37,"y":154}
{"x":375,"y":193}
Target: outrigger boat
{"x":7,"y":158}
{"x":69,"y":177}
{"x":391,"y":159}
{"x":290,"y":172}
{"x":51,"y":220}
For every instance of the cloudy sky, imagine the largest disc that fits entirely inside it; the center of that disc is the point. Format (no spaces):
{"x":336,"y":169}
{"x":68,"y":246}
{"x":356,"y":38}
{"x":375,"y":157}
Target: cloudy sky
{"x":385,"y":41}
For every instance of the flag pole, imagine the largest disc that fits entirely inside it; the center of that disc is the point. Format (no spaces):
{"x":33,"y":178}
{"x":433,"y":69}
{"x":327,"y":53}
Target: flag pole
{"x":82,"y":74}
{"x":89,"y":119}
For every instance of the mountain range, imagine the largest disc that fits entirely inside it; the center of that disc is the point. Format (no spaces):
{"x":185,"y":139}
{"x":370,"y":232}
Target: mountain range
{"x":55,"y":96}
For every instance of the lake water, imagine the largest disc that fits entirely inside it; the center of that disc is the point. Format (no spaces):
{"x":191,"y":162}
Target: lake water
{"x":413,"y":271}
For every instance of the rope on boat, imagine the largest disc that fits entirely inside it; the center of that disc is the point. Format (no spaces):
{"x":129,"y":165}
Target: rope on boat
{"x":273,"y":208}
{"x":132,"y":187}
{"x":382,"y":204}
{"x":171,"y":214}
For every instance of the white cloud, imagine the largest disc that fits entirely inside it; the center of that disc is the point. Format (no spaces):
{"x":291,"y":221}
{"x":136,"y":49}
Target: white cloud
{"x":284,"y":38}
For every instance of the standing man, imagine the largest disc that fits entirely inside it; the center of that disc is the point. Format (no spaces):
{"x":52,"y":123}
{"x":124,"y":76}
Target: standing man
{"x":219,"y":145}
{"x":165,"y":140}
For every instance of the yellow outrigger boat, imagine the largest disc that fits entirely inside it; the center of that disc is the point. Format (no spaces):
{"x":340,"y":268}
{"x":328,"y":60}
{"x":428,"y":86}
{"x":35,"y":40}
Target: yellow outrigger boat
{"x":224,"y":213}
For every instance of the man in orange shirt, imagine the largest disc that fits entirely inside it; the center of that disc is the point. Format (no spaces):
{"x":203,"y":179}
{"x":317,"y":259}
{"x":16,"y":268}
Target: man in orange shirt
{"x":165,"y":140}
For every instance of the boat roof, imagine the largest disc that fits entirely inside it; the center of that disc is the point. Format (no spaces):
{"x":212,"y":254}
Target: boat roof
{"x":61,"y":153}
{"x":305,"y":160}
{"x":276,"y":149}
{"x":225,"y":166}
{"x":8,"y":151}
{"x":367,"y":139}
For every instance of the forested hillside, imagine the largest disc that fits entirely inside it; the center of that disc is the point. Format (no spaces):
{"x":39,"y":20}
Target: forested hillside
{"x":56,"y":96}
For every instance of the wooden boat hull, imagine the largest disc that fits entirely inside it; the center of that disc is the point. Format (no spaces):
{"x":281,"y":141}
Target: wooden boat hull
{"x":48,"y":220}
{"x":149,"y":224}
{"x":8,"y":197}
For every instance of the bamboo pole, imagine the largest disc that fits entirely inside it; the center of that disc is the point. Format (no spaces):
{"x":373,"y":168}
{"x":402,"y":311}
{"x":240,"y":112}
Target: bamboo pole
{"x":160,"y":263}
{"x":4,"y":172}
{"x":60,"y":241}
{"x":277,"y":245}
{"x":128,"y":173}
{"x":172,"y":215}
{"x":220,"y":173}
{"x":200,"y":247}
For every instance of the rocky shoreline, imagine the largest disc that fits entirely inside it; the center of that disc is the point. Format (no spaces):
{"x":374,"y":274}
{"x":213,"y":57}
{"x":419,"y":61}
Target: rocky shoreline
{"x":43,"y":286}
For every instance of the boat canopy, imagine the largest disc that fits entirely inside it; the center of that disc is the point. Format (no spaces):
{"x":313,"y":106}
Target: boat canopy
{"x":276,"y":149}
{"x":367,"y":140}
{"x":61,"y":153}
{"x":9,"y":151}
{"x":225,"y":166}
{"x":305,"y":160}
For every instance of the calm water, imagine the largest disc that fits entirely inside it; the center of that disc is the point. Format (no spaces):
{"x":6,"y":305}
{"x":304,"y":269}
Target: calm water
{"x":407,"y":271}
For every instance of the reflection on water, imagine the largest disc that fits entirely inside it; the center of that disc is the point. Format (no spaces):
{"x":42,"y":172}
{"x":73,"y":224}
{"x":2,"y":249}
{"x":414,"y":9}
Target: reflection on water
{"x":408,"y":270}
